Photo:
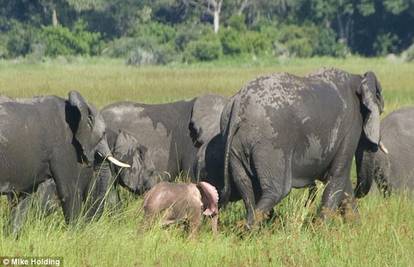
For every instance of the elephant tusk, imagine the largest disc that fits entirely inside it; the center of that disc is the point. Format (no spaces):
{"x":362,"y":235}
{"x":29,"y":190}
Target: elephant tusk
{"x":383,"y":148}
{"x":118,"y":163}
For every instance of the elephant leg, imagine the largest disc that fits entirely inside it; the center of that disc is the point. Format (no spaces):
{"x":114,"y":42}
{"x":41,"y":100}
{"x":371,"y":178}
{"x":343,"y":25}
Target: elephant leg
{"x":339,"y":187}
{"x":270,"y":166}
{"x":69,"y":181}
{"x":18,"y":216}
{"x":244,"y":186}
{"x":348,"y":204}
{"x":48,"y":199}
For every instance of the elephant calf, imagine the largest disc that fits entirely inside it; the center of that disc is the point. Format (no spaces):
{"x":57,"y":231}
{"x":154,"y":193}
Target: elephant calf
{"x":177,"y":202}
{"x":391,"y":166}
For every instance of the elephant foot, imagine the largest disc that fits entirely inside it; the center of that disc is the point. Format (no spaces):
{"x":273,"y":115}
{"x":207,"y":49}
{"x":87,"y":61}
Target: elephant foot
{"x":327,"y":214}
{"x":349,"y":210}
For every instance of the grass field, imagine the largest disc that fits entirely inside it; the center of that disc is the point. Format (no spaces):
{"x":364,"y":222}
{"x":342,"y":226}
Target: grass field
{"x":383,"y":236}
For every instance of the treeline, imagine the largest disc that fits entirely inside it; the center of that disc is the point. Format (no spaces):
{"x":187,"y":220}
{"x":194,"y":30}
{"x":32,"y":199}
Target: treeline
{"x":161,"y":31}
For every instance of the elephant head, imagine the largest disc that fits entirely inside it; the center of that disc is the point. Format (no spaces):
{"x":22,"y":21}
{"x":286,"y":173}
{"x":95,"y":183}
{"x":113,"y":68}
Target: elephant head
{"x":90,"y":140}
{"x":88,"y":127}
{"x":205,"y":118}
{"x":140,"y":177}
{"x":372,"y":105}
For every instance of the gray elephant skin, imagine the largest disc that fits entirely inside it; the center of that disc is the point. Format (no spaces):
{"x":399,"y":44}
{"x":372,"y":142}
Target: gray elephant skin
{"x":391,"y":168}
{"x":54,"y":138}
{"x":160,"y":141}
{"x":283,"y":131}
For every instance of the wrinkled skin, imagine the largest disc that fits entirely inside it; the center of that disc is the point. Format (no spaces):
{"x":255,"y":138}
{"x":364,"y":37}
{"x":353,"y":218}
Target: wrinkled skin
{"x":136,"y":134}
{"x":160,"y":141}
{"x":283,"y":131}
{"x":179,"y":202}
{"x":393,"y":169}
{"x":47,"y":138}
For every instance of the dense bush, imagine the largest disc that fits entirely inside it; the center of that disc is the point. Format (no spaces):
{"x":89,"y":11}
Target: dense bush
{"x":62,"y":41}
{"x":20,"y":39}
{"x":157,"y":43}
{"x":190,"y":32}
{"x":162,"y":33}
{"x":385,"y":44}
{"x":326,"y":43}
{"x":204,"y":49}
{"x":231,"y":40}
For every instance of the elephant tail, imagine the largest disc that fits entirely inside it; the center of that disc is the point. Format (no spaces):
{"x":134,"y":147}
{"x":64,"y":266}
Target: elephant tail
{"x":228,"y":133}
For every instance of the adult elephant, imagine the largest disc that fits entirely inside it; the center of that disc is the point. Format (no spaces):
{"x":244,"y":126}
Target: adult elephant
{"x":283,"y":131}
{"x":391,"y":168}
{"x":54,"y":138}
{"x":160,"y":141}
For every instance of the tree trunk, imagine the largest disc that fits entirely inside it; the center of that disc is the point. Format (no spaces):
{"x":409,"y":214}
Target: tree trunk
{"x":214,"y":8}
{"x":216,"y":21}
{"x":342,"y":33}
{"x":54,"y":18}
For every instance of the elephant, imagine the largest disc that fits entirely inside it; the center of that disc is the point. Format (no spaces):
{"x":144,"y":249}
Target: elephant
{"x":160,"y":141}
{"x":391,"y":167}
{"x":132,"y":138}
{"x":50,"y":137}
{"x":283,"y":131}
{"x":178,"y":202}
{"x":45,"y":198}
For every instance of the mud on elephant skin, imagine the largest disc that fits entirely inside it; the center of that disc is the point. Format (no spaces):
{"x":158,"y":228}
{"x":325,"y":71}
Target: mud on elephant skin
{"x":51,"y":137}
{"x":283,"y":131}
{"x":160,"y":141}
{"x":391,"y":166}
{"x":179,"y":202}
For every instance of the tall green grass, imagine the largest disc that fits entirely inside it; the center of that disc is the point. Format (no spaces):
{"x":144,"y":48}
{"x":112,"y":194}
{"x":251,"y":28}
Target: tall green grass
{"x":382,"y":236}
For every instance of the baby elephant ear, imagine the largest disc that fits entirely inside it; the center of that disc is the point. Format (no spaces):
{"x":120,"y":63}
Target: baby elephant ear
{"x":209,"y":197}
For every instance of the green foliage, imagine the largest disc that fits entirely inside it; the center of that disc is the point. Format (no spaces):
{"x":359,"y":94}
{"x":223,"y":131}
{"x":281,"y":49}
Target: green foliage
{"x":205,"y":49}
{"x":326,"y":43}
{"x":190,"y":32}
{"x":20,"y":39}
{"x":297,"y":40}
{"x":156,"y":55}
{"x":236,"y":22}
{"x":231,"y":40}
{"x":162,"y":33}
{"x":62,"y":41}
{"x":385,"y":44}
{"x":364,"y":27}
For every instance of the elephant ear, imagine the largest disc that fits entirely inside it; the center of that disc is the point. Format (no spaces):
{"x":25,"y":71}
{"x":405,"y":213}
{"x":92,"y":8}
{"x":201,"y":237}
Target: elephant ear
{"x":371,"y":98}
{"x":209,"y":197}
{"x":205,"y":118}
{"x":128,"y":150}
{"x":84,"y":123}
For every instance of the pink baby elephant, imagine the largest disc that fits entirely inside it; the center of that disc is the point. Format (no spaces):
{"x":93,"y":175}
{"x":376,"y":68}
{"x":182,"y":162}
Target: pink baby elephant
{"x":179,"y":201}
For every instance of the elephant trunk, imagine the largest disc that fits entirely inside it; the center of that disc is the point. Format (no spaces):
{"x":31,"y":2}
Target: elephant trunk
{"x":99,"y":190}
{"x":364,"y":178}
